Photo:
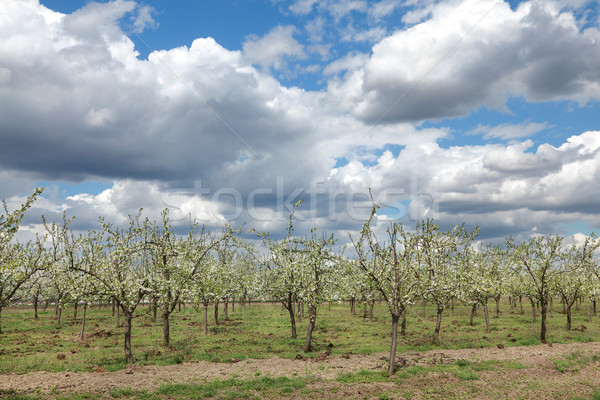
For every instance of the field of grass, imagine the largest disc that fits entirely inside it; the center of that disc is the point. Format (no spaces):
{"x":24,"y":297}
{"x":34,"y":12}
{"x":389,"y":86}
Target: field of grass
{"x":261,"y":331}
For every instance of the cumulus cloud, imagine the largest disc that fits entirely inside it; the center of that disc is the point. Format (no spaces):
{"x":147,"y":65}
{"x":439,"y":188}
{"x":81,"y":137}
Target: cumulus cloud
{"x":514,"y":159}
{"x":144,"y":19}
{"x":479,"y":52}
{"x":201,"y":128}
{"x":274,"y":48}
{"x":503,"y":188}
{"x":79,"y":104}
{"x":349,"y":62}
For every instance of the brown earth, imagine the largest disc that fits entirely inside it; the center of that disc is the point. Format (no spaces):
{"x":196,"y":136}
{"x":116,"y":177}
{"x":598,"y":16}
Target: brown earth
{"x":539,"y":380}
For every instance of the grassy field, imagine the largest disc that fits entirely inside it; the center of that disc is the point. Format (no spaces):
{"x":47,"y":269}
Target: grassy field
{"x":263,"y":331}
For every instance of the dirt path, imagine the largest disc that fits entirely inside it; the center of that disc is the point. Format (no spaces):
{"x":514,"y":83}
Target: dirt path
{"x":540,"y":379}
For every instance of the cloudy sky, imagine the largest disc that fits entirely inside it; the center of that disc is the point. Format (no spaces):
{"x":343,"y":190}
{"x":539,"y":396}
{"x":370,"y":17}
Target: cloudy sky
{"x":475,"y":111}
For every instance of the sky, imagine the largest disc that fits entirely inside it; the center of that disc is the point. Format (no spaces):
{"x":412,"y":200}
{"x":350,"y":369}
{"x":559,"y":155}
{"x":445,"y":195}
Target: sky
{"x":481,"y":112}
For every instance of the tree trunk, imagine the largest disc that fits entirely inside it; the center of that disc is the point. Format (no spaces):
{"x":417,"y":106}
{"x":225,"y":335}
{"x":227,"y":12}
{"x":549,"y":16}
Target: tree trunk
{"x":113,"y":308}
{"x":83,"y":321}
{"x":365,"y":311}
{"x":392,"y":366}
{"x":311,"y":326}
{"x":569,"y":317}
{"x":591,"y":312}
{"x":551,"y":307}
{"x":473,"y":311}
{"x":127,"y":345}
{"x":486,"y":312}
{"x":371,"y":305}
{"x":595,"y":307}
{"x":438,"y":324}
{"x":233,"y":304}
{"x":46,"y":305}
{"x":299,"y":314}
{"x":74,"y":311}
{"x":544,"y":310}
{"x":497,"y":299}
{"x":217,"y":312}
{"x":403,"y":325}
{"x":352,"y":306}
{"x":1,"y":321}
{"x":59,"y":315}
{"x":166,"y":328}
{"x":154,"y":312}
{"x":35,"y":307}
{"x":521,"y":304}
{"x":226,"y":308}
{"x":534,"y":310}
{"x":118,"y":316}
{"x":290,"y":307}
{"x":424,"y":305}
{"x":205,"y":318}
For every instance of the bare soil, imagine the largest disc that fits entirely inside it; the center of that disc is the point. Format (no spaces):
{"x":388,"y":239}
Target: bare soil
{"x":539,"y":380}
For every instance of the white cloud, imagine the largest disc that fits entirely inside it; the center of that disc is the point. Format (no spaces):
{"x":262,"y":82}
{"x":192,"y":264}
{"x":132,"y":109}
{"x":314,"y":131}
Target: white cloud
{"x":315,"y":29}
{"x":383,"y":8}
{"x":479,"y":52}
{"x":93,"y":20}
{"x":509,"y":131}
{"x":371,"y":35}
{"x":144,"y":19}
{"x":502,"y":188}
{"x":342,"y":8}
{"x":514,"y":159}
{"x":302,"y":7}
{"x":349,"y":62}
{"x":323,"y":50}
{"x":274,"y":48}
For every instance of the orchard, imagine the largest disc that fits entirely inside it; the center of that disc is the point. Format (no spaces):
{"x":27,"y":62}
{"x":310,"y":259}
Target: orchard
{"x":144,"y":271}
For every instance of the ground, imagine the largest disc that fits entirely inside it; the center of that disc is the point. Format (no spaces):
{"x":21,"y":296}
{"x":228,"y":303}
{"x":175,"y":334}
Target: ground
{"x":547,"y":371}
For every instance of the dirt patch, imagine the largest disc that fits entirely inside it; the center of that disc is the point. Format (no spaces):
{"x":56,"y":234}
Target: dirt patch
{"x":540,"y":379}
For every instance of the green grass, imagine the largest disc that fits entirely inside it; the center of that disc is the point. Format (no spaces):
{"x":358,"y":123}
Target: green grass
{"x":263,"y":330}
{"x":363,"y":376}
{"x":222,"y":389}
{"x":574,"y":361}
{"x":462,"y":369}
{"x":233,"y":388}
{"x":130,"y":393}
{"x":462,"y":372}
{"x":595,"y":396}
